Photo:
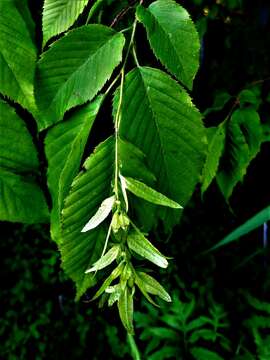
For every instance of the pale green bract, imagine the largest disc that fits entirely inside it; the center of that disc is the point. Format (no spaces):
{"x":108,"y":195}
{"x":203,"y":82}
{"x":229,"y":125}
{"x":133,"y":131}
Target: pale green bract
{"x":59,"y":15}
{"x":138,"y":243}
{"x":145,"y":192}
{"x":102,"y":213}
{"x":173,"y":38}
{"x":75,"y":69}
{"x":105,"y":260}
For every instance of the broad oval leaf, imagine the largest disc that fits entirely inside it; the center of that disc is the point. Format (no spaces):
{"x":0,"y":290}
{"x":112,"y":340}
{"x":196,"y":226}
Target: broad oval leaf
{"x":80,"y":250}
{"x":159,"y":118}
{"x":125,"y":308}
{"x":216,"y":139}
{"x":59,"y":15}
{"x":74,"y":69}
{"x":21,"y":199}
{"x":101,"y":214}
{"x":243,"y":141}
{"x":145,"y":192}
{"x":64,"y":147}
{"x":138,"y":243}
{"x":105,"y":260}
{"x":152,"y":286}
{"x":17,"y":72}
{"x":173,"y":38}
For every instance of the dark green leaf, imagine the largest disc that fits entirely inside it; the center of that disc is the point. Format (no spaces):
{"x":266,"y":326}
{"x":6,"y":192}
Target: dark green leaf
{"x":80,"y":250}
{"x":64,"y":147}
{"x":16,"y":70}
{"x":173,"y":38}
{"x":74,"y":69}
{"x":125,"y":308}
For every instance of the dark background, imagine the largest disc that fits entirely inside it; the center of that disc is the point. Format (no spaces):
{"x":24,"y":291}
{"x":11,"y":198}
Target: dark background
{"x":39,"y":319}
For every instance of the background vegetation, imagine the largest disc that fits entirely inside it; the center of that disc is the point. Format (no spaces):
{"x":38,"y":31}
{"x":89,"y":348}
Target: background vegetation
{"x":221,"y":306}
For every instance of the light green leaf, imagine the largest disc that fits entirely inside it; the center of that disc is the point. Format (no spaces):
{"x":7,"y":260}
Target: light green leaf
{"x":17,"y":151}
{"x":21,"y":200}
{"x":243,"y":141}
{"x":16,"y":72}
{"x":216,"y":146}
{"x":159,"y":118}
{"x":74,"y":69}
{"x":138,"y":243}
{"x":80,"y":250}
{"x":102,"y":213}
{"x":257,"y":220}
{"x":152,"y":286}
{"x":173,"y":38}
{"x":64,"y":147}
{"x":205,"y":334}
{"x":145,"y":192}
{"x":59,"y":15}
{"x":125,"y":308}
{"x":105,"y":260}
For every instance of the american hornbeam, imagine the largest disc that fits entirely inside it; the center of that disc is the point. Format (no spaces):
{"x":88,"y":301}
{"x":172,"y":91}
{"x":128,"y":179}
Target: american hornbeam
{"x":103,"y":213}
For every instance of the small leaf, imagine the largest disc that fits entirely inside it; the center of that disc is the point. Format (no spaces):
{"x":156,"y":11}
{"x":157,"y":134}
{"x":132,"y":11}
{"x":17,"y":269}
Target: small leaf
{"x":139,"y":244}
{"x":145,"y":192}
{"x":125,"y":308}
{"x":115,"y":295}
{"x":201,"y":353}
{"x":140,"y":284}
{"x":153,"y":287}
{"x":101,"y":214}
{"x":105,"y":260}
{"x":216,"y":140}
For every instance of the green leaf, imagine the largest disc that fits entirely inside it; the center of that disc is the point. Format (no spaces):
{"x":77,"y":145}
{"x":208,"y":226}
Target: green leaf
{"x":105,"y":260}
{"x":125,"y":308}
{"x":75,"y":69}
{"x":80,"y":250}
{"x":152,"y":286}
{"x":200,"y":353}
{"x":17,"y":151}
{"x":138,"y":243}
{"x":145,"y":192}
{"x":257,"y":220}
{"x":159,"y":118}
{"x":221,"y":99}
{"x":59,"y":15}
{"x":64,"y":147}
{"x":102,"y":213}
{"x":21,"y":200}
{"x":215,"y":150}
{"x":243,"y":141}
{"x":16,"y":72}
{"x":173,"y":38}
{"x":133,"y":163}
{"x":205,"y":334}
